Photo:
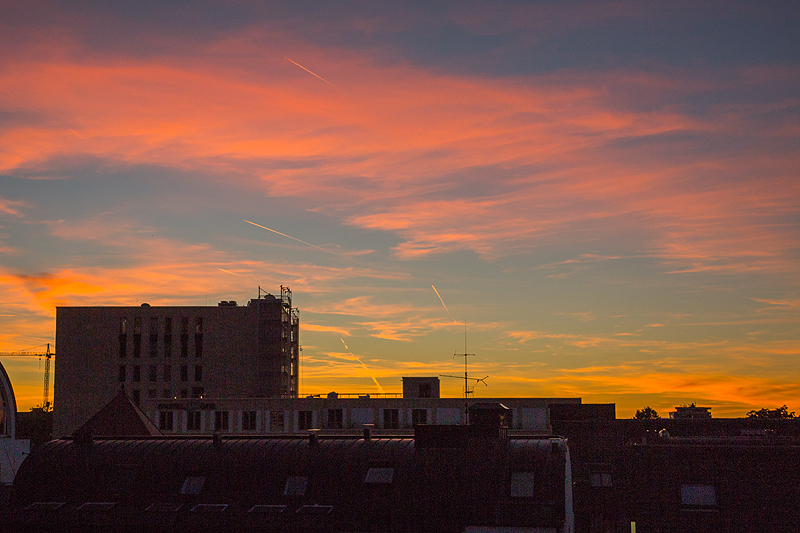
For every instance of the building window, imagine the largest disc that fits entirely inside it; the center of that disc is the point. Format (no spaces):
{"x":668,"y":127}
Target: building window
{"x":184,"y":373}
{"x":135,"y":396}
{"x":153,"y":336}
{"x":167,"y":337}
{"x":304,"y":420}
{"x":380,"y":475}
{"x":167,"y":373}
{"x":419,"y":416}
{"x":391,"y":419}
{"x":151,"y":393}
{"x":193,"y":485}
{"x":123,"y":374}
{"x":198,"y":337}
{"x":295,"y":486}
{"x":221,"y":421}
{"x":193,"y":420}
{"x":152,"y":373}
{"x":184,"y":336}
{"x":123,"y":337}
{"x":522,"y":484}
{"x":184,"y":393}
{"x":699,"y":496}
{"x":249,"y":421}
{"x":167,"y":393}
{"x":137,"y":336}
{"x":335,"y":419}
{"x":197,"y":392}
{"x":276,"y":420}
{"x":165,"y":420}
{"x":424,"y":390}
{"x":602,"y":479}
{"x":137,"y":376}
{"x":198,"y":372}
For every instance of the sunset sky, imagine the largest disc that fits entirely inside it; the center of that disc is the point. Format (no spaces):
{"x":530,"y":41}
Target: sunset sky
{"x":608,"y":193}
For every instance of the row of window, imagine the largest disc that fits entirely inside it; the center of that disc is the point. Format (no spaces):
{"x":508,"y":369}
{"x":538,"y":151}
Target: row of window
{"x":196,"y":392}
{"x":153,"y":371}
{"x":166,"y":420}
{"x":137,"y":325}
{"x":391,"y":418}
{"x":167,"y":337}
{"x":153,"y":347}
{"x":276,"y":418}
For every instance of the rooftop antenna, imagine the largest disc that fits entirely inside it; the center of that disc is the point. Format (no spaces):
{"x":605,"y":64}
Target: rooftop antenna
{"x":468,"y":391}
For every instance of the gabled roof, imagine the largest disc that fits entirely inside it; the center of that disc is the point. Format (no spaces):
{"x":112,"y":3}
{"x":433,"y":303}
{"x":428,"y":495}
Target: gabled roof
{"x":119,"y":418}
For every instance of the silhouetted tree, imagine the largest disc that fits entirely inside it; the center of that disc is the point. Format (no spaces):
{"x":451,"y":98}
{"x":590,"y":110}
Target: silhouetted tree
{"x":780,"y":412}
{"x":648,"y":413}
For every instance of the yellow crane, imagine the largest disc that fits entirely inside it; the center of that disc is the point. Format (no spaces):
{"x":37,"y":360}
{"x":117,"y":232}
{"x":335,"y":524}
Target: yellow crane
{"x":46,"y":405}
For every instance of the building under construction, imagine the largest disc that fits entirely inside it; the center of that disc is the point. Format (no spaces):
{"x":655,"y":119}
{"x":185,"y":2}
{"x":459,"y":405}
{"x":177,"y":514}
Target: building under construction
{"x":163,"y":354}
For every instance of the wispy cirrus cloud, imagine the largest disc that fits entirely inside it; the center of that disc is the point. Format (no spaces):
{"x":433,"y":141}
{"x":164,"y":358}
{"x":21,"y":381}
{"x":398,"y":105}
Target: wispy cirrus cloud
{"x":422,"y":140}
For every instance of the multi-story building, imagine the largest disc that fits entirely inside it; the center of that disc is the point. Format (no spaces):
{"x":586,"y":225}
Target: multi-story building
{"x":167,"y":354}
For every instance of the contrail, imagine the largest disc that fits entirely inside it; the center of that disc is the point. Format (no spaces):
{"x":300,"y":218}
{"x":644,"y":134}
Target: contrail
{"x":365,"y":367}
{"x":445,"y":307}
{"x":290,"y":237}
{"x":228,"y":271}
{"x":317,"y":75}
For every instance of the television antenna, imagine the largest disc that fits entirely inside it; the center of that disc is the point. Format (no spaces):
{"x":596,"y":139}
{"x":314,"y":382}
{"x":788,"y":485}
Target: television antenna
{"x":469,"y":391}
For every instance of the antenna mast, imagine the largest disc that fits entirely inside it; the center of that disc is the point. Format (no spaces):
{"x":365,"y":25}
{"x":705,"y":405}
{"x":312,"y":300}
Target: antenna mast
{"x":467,"y":390}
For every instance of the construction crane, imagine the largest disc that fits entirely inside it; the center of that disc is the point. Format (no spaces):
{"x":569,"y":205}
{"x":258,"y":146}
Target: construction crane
{"x":46,"y":405}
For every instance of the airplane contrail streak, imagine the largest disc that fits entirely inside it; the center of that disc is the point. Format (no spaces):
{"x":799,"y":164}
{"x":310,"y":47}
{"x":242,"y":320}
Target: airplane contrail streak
{"x":445,"y":307}
{"x":365,"y":367}
{"x":290,"y":237}
{"x":228,"y":271}
{"x":313,"y":74}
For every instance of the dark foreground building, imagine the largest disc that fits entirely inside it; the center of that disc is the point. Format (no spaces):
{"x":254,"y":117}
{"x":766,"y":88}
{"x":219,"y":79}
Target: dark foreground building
{"x":445,"y":479}
{"x":737,"y":475}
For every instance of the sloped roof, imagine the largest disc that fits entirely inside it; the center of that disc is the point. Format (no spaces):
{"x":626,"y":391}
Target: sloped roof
{"x":119,"y":418}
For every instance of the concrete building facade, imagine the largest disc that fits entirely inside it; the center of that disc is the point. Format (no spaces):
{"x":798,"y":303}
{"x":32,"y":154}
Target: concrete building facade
{"x":254,"y":416}
{"x":167,"y":354}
